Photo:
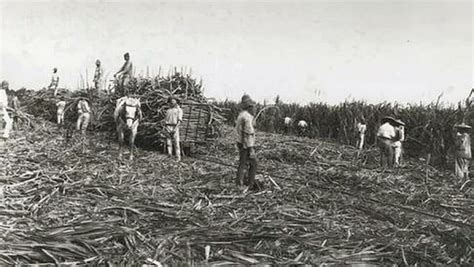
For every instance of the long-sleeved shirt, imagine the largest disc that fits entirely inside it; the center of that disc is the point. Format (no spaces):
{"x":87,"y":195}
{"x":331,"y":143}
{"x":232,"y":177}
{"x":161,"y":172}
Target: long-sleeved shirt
{"x":245,"y":130}
{"x":173,"y":116}
{"x":287,"y":121}
{"x":302,"y":124}
{"x":55,"y":79}
{"x":61,"y":105}
{"x":361,"y":128}
{"x":83,"y":107}
{"x":463,"y":145}
{"x":387,"y":131}
{"x":3,"y":98}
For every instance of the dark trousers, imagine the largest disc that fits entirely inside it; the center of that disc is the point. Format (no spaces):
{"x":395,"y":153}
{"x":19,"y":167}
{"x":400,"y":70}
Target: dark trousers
{"x":244,"y":160}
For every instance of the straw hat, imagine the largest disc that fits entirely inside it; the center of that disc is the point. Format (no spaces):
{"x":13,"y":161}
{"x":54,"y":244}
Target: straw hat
{"x":399,"y":122}
{"x":388,"y":119}
{"x":462,"y":126}
{"x":247,"y":101}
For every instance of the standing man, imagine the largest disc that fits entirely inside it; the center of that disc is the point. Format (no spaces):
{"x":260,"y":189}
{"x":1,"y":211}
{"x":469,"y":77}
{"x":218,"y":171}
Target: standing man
{"x":54,"y":81}
{"x":3,"y":110}
{"x":246,"y":142}
{"x":98,"y":75}
{"x":287,"y":124}
{"x":84,"y":112}
{"x":399,"y":138}
{"x":361,"y":128}
{"x":302,"y":127}
{"x":463,"y":150}
{"x":15,"y":103}
{"x":125,"y":73}
{"x":173,"y":119}
{"x":385,"y":136}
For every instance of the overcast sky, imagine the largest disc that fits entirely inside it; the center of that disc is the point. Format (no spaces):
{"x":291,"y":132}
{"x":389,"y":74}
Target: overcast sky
{"x":304,"y":51}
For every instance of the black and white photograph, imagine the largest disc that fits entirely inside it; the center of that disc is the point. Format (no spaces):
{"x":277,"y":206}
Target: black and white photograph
{"x":236,"y":133}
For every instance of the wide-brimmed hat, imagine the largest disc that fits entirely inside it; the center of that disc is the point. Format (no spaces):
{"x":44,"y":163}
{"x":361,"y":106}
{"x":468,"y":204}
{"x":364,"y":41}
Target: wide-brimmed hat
{"x":399,"y":122}
{"x":462,"y":126}
{"x":388,"y":119}
{"x":247,"y":102}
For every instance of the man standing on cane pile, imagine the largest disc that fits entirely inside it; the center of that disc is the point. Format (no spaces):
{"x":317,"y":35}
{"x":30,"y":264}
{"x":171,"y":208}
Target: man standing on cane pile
{"x":463,"y":150}
{"x":98,"y":75}
{"x":246,"y":143}
{"x":15,"y":104}
{"x":54,"y":81}
{"x":173,"y":119}
{"x":125,"y":73}
{"x":3,"y":110}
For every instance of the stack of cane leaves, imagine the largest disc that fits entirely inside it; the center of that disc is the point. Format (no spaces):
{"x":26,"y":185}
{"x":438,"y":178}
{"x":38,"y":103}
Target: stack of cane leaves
{"x":201,"y":119}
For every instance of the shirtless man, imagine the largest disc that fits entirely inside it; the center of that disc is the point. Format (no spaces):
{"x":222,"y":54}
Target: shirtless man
{"x":125,"y":73}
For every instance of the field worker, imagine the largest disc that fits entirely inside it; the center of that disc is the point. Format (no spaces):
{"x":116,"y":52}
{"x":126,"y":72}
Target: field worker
{"x":60,"y":111}
{"x":287,"y":124}
{"x":98,"y":76}
{"x":361,"y":129}
{"x":125,"y":73}
{"x":399,"y":138}
{"x":3,"y":110}
{"x":84,"y":111}
{"x":463,"y":150}
{"x":385,"y":139}
{"x":246,"y":143}
{"x":54,"y":81}
{"x":15,"y":104}
{"x":302,"y":127}
{"x":173,"y":119}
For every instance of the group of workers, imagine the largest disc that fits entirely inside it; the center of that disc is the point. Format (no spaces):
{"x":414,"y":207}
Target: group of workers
{"x":390,"y":137}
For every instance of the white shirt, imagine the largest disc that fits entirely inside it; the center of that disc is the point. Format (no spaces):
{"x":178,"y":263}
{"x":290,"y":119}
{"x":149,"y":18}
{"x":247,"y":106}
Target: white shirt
{"x":245,"y":130}
{"x":61,"y":105}
{"x":3,"y":98}
{"x":302,"y":124}
{"x":386,"y":130}
{"x":287,"y":121}
{"x":361,"y":128}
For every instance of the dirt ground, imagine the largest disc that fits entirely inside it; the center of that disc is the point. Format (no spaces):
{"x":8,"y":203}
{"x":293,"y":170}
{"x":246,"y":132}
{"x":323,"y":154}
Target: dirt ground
{"x":67,"y":202}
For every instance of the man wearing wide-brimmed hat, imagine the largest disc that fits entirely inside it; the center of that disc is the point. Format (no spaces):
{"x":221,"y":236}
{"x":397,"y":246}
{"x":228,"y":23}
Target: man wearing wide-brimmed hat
{"x":246,"y":142}
{"x":54,"y":81}
{"x":3,"y":110}
{"x":463,"y":150}
{"x":385,"y":139}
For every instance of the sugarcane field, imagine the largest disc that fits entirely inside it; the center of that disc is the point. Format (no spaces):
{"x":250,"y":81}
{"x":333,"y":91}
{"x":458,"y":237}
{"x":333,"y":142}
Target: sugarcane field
{"x":235,"y":133}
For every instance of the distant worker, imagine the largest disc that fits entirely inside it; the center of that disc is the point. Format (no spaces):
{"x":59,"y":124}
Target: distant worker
{"x":15,"y":104}
{"x":287,"y":124}
{"x":54,"y":81}
{"x":61,"y":105}
{"x":386,"y":137}
{"x":462,"y":150}
{"x":399,"y":138}
{"x":124,"y":74}
{"x":98,"y":77}
{"x":246,"y":143}
{"x":84,"y":111}
{"x":3,"y":110}
{"x":173,"y":119}
{"x":361,"y":129}
{"x":302,"y":127}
